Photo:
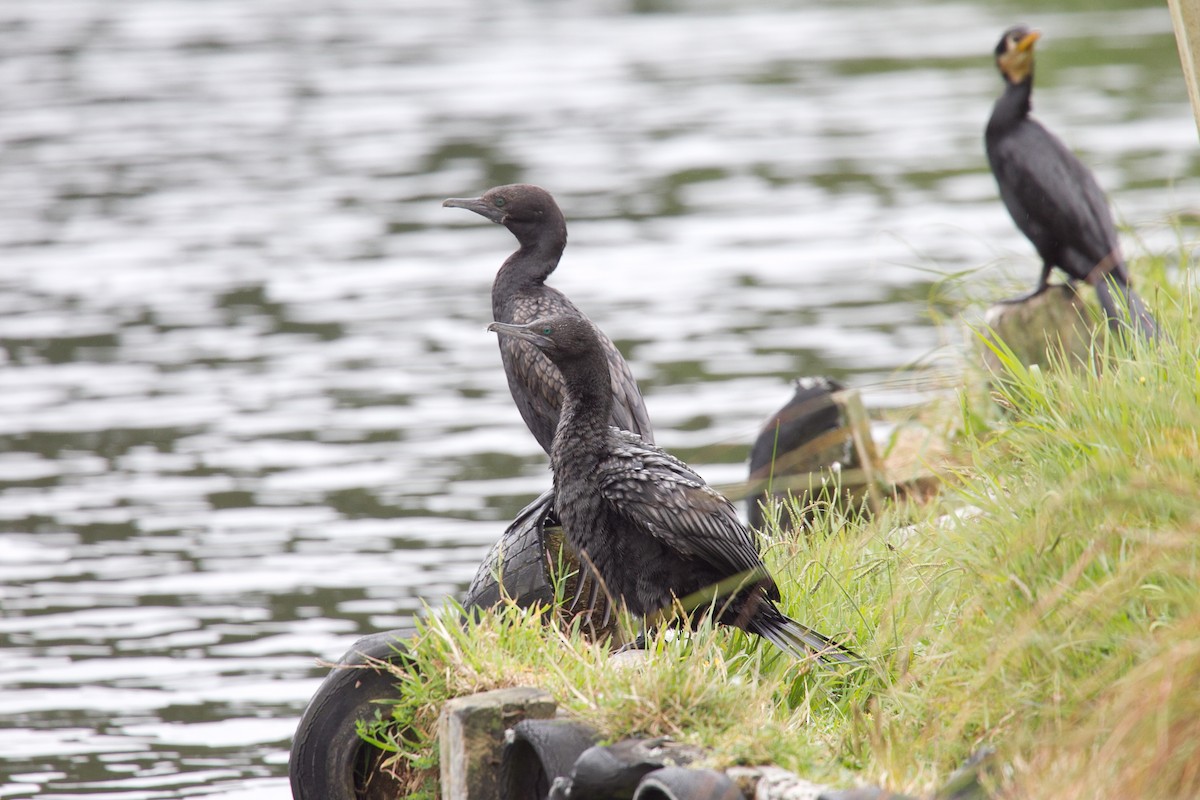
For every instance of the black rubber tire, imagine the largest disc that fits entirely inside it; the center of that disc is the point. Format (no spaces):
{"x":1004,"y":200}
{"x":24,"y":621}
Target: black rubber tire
{"x":539,"y":751}
{"x":522,"y":559}
{"x":681,"y":783}
{"x":519,"y":558}
{"x":329,"y":761}
{"x":614,"y":770}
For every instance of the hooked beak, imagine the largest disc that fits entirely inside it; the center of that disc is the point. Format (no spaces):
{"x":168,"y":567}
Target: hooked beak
{"x":518,"y":332}
{"x":1026,"y":42}
{"x":477,"y":205}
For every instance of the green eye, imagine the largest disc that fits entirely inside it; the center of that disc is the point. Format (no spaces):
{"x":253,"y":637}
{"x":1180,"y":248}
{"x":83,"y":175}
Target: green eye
{"x":547,"y":330}
{"x":499,"y":201}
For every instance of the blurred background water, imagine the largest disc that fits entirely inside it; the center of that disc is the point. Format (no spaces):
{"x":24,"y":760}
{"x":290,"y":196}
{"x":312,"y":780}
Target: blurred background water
{"x":248,"y":408}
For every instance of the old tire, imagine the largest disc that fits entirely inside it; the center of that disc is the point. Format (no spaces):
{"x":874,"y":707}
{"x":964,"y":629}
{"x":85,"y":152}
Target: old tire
{"x":329,"y":761}
{"x":516,"y":566}
{"x":539,"y":752}
{"x":681,"y":783}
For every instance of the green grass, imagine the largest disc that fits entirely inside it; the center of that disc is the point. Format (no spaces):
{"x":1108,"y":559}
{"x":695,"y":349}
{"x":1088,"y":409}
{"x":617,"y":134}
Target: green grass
{"x":1046,"y":603}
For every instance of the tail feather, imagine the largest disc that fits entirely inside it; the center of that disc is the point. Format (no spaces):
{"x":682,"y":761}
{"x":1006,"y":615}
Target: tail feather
{"x":1124,"y":307}
{"x":797,"y":639}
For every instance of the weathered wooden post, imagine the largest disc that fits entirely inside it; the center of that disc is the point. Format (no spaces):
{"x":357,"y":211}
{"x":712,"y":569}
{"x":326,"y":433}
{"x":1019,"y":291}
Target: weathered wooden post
{"x":1185,"y":16}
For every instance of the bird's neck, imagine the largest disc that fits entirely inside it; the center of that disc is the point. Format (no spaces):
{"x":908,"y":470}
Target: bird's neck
{"x":1012,"y":106}
{"x":587,"y":405}
{"x":529,"y":266}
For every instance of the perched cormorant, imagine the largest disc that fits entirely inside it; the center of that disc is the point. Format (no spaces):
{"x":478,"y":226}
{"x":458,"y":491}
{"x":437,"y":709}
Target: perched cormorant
{"x":520,"y":295}
{"x":649,"y":526}
{"x":1052,"y":196}
{"x":799,"y":438}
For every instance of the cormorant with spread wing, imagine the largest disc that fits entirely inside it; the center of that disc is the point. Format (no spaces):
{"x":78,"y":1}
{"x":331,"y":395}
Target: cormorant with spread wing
{"x":654,"y":532}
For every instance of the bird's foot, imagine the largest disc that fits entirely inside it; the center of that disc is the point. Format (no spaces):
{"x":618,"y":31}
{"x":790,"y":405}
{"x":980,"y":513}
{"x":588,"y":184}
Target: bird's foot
{"x":638,"y":643}
{"x":1021,"y":298}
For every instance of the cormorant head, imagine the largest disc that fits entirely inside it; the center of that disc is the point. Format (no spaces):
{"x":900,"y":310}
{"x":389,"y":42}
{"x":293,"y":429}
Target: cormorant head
{"x":1014,"y":53}
{"x":528,"y":211}
{"x":562,"y":337}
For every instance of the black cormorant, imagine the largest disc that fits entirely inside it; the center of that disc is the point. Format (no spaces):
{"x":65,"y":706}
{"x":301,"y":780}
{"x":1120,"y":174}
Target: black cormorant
{"x":1052,"y":196}
{"x":799,"y":438}
{"x":649,"y":526}
{"x":520,"y":295}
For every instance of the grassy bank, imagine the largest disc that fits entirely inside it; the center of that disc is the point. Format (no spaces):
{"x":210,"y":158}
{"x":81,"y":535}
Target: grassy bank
{"x":1046,"y":602}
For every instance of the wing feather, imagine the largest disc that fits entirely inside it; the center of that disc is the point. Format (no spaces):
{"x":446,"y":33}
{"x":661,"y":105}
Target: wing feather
{"x":1053,"y":197}
{"x":663,"y":495}
{"x":536,"y":385}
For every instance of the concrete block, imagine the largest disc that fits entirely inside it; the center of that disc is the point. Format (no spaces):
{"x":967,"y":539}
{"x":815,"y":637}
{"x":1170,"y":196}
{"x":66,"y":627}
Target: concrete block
{"x":471,"y":737}
{"x":775,"y":783}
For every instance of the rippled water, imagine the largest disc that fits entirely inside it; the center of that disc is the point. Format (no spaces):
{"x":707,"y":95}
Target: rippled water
{"x":248,"y":409}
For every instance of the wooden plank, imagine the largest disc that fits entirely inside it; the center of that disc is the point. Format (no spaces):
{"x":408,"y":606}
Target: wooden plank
{"x":781,"y":484}
{"x":868,"y":458}
{"x":1185,"y":16}
{"x":785,"y":477}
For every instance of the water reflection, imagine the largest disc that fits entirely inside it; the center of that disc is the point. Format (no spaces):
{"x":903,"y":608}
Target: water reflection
{"x":248,"y":410}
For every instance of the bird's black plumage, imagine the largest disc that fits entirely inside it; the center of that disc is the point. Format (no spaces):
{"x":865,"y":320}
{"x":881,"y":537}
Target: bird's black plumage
{"x":791,"y":440}
{"x":1052,"y":197}
{"x":520,"y":295}
{"x":649,"y":526}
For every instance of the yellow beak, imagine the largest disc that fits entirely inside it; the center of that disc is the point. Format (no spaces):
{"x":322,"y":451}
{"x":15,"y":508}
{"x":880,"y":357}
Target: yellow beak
{"x":1027,"y":41}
